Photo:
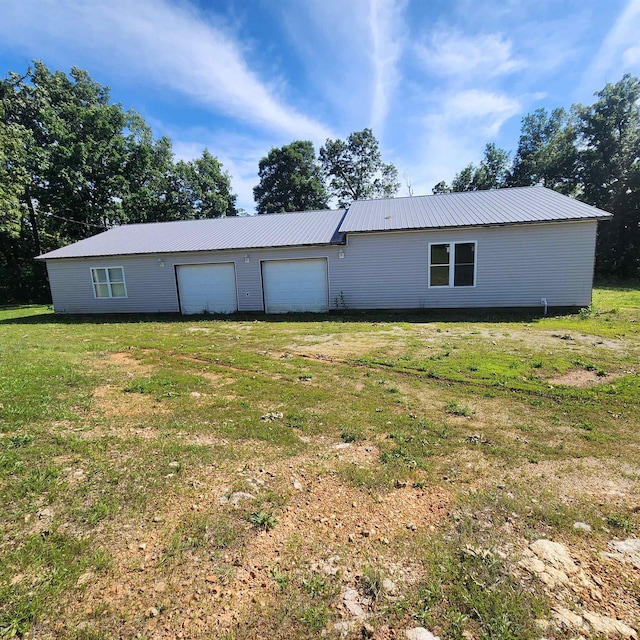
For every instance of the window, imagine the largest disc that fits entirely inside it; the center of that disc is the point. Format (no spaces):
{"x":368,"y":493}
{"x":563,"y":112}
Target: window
{"x":452,"y":264}
{"x":108,"y":282}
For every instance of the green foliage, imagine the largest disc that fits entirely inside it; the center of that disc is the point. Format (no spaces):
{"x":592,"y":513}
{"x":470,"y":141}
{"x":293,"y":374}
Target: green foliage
{"x":480,"y":594}
{"x":490,"y":174}
{"x":454,"y":408}
{"x":263,"y":520}
{"x":73,"y":164}
{"x":290,"y":180}
{"x":354,"y":169}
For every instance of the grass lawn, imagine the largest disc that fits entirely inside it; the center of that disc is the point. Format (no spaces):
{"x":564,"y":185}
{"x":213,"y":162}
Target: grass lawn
{"x":286,"y":478}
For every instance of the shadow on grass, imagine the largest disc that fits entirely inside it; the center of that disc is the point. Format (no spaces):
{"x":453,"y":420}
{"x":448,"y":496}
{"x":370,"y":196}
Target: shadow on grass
{"x":418,"y":316}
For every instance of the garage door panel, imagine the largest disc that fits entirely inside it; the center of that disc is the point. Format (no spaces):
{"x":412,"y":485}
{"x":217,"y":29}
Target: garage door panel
{"x":295,"y":285}
{"x":207,"y":288}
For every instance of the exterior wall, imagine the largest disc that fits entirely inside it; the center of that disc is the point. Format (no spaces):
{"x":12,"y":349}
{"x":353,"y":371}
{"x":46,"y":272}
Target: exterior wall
{"x":152,"y":288}
{"x":516,"y":267}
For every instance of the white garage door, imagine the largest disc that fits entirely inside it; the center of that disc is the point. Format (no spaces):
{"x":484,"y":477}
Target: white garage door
{"x":207,"y":288}
{"x":295,"y":285}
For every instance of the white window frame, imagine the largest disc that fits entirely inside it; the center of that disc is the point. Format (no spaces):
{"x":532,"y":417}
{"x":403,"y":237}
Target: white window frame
{"x":452,"y":244}
{"x":108,"y":283}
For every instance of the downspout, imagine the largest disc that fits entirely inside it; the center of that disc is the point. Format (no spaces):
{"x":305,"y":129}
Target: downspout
{"x":546,"y":305}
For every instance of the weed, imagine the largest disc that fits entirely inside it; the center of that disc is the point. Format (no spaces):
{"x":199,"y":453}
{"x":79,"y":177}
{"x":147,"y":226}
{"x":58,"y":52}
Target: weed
{"x":18,"y":441}
{"x":371,"y":583}
{"x":455,"y":409}
{"x":280,"y":578}
{"x":621,"y":522}
{"x":350,"y":435}
{"x":315,"y":617}
{"x":264,"y":520}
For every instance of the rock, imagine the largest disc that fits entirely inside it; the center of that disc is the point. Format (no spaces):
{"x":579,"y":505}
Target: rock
{"x":236,"y":498}
{"x":152,"y":612}
{"x":297,"y":485}
{"x":343,"y":628}
{"x":160,"y":586}
{"x":342,"y":445}
{"x":420,"y":633}
{"x":582,"y":526}
{"x":174,"y":465}
{"x":609,"y":626}
{"x":85,"y":578}
{"x":271,"y":416}
{"x":555,"y":554}
{"x":389,"y":586}
{"x":412,"y":526}
{"x":157,"y":519}
{"x":350,"y":600}
{"x":195,"y":394}
{"x":367,"y":630}
{"x":211,"y":578}
{"x":568,"y":619}
{"x":629,"y":549}
{"x":552,"y":564}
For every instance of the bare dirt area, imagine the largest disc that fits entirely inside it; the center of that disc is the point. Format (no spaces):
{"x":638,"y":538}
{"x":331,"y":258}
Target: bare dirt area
{"x":327,"y":528}
{"x":581,"y":378}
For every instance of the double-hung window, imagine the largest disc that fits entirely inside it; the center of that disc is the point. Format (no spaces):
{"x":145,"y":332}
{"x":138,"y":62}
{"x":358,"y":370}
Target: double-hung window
{"x":108,"y":282}
{"x":452,"y":264}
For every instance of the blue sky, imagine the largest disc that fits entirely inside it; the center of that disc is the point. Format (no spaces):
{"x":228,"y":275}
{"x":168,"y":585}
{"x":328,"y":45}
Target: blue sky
{"x":435,"y":79}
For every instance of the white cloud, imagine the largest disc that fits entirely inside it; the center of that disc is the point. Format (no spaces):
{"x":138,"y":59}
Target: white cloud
{"x":452,"y":54}
{"x":387,"y":33}
{"x":353,"y":52}
{"x":618,"y":53}
{"x":487,"y":110}
{"x":160,"y":45}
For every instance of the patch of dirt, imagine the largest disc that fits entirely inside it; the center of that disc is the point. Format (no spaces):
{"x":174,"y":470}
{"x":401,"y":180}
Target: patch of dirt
{"x":348,"y":345}
{"x":587,"y":479}
{"x":581,"y":378}
{"x":113,"y":402}
{"x":126,"y":361}
{"x":327,"y":527}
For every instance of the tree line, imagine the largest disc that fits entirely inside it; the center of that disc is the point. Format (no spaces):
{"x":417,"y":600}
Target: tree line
{"x":73,"y":164}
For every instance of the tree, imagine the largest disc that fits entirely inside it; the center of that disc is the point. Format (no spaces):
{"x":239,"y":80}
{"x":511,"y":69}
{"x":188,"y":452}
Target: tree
{"x":354,"y":169}
{"x":492,"y":172}
{"x":290,"y":180}
{"x":204,"y":189}
{"x":609,"y":172}
{"x":441,"y":187}
{"x":73,"y":164}
{"x":547,"y":152}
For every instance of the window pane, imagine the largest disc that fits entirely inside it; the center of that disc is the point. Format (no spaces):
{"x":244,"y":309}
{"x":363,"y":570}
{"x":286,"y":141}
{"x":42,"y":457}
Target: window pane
{"x":463,"y":275}
{"x":440,"y":276}
{"x":439,"y":254}
{"x":117,"y":290}
{"x":99,"y":275}
{"x":464,"y":253}
{"x":116,"y":275}
{"x":102,"y":290}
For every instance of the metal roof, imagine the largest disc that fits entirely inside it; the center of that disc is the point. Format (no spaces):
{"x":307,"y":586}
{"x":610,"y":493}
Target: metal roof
{"x":467,"y":209}
{"x":251,"y":232}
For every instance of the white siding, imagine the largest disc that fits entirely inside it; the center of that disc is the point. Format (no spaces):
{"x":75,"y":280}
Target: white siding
{"x":516,"y":266}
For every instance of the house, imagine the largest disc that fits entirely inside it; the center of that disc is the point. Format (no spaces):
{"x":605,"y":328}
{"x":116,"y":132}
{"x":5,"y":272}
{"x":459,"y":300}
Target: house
{"x":518,"y":247}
